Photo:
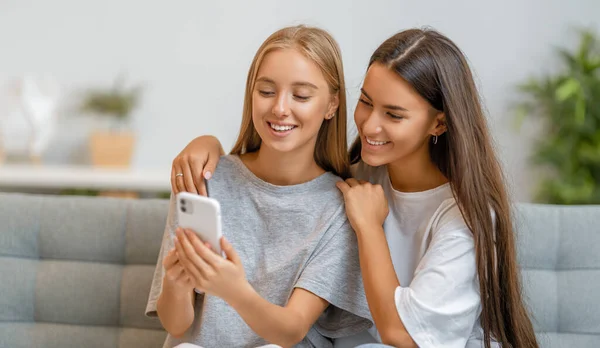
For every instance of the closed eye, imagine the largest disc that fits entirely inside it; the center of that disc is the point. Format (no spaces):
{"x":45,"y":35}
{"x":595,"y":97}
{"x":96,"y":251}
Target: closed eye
{"x":365,"y":102}
{"x":266,"y":93}
{"x":301,"y":97}
{"x":394,"y":116}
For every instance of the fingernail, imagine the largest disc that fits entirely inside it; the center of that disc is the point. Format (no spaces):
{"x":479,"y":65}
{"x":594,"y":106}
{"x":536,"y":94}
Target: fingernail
{"x":176,"y":240}
{"x":207,"y":175}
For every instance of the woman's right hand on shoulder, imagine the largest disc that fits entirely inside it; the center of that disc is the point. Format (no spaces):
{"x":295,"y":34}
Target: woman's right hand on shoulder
{"x":195,"y":163}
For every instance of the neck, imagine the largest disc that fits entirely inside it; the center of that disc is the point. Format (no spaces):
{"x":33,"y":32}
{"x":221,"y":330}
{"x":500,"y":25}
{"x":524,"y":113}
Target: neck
{"x":277,"y":168}
{"x":415,"y":173}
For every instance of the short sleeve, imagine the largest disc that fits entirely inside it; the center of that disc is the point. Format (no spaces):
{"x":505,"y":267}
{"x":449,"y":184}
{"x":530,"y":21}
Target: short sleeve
{"x":333,"y":273}
{"x":159,"y":271}
{"x":441,"y":305}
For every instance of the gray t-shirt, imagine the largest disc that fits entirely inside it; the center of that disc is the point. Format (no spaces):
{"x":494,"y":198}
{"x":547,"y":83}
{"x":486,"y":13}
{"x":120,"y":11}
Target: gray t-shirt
{"x":288,"y":237}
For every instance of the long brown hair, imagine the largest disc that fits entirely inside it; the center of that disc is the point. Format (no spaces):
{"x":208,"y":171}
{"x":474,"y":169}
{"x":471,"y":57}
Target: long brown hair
{"x":318,"y":46}
{"x":437,"y":69}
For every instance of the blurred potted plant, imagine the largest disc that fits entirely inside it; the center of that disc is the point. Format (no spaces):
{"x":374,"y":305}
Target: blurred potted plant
{"x":568,"y":103}
{"x":112,"y":145}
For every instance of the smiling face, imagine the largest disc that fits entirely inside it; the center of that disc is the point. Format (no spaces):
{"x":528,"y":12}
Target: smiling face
{"x":394,"y":122}
{"x":290,"y":101}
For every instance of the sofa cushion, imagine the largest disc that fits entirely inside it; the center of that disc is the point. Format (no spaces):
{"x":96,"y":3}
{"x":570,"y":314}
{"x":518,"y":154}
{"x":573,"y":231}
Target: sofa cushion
{"x":76,"y":271}
{"x":558,"y":249}
{"x":43,"y":335}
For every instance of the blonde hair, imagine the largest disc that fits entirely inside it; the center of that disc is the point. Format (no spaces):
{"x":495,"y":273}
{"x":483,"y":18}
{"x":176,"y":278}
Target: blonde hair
{"x":318,"y":46}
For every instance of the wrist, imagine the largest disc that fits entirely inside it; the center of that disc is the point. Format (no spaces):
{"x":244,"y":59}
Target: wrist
{"x":174,"y":290}
{"x":367,"y":227}
{"x":368,"y":233}
{"x":241,"y":295}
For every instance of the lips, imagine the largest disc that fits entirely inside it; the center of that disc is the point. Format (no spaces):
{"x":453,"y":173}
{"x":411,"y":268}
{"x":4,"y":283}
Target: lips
{"x":281,"y":127}
{"x":374,"y":142}
{"x":279,"y":130}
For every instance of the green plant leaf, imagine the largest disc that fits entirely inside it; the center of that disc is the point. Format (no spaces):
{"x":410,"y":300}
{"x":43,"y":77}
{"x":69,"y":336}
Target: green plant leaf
{"x":580,"y":110}
{"x":522,"y":111}
{"x":568,"y":58}
{"x":590,"y":153}
{"x":568,"y":102}
{"x":594,"y":64}
{"x":568,"y":89}
{"x":116,"y":101}
{"x":586,"y":45}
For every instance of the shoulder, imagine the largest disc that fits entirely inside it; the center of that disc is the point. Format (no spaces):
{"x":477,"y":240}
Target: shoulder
{"x":325,"y":202}
{"x":363,"y":171}
{"x":326,"y":191}
{"x":229,"y":167}
{"x":227,"y":163}
{"x":448,"y":220}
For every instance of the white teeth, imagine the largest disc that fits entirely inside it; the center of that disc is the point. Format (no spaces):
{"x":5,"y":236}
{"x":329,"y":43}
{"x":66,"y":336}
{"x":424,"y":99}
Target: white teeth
{"x":376,"y":143}
{"x":281,"y":128}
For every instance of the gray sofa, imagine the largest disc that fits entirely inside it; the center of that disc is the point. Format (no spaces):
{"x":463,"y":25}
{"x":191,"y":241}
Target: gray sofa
{"x":76,"y":271}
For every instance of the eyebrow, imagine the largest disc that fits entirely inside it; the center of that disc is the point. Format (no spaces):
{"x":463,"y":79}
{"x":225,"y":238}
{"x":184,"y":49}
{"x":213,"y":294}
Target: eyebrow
{"x":391,"y":107}
{"x":296,"y":84}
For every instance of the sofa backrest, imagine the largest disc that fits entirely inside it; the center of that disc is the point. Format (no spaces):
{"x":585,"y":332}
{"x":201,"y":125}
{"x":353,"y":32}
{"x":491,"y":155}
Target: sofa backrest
{"x":76,"y":271}
{"x":559,"y":254}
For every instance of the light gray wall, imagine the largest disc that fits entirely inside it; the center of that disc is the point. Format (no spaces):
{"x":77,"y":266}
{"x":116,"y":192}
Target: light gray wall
{"x":193,"y":56}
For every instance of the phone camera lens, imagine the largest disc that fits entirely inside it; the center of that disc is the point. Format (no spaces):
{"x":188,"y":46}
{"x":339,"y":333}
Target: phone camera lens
{"x":183,"y":209}
{"x":182,"y":201}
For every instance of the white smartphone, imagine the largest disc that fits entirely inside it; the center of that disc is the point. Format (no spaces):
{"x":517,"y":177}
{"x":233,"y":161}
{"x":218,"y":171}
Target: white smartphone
{"x":203,"y":216}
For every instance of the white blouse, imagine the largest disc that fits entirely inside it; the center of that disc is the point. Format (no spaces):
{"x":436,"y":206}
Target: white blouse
{"x":433,"y":253}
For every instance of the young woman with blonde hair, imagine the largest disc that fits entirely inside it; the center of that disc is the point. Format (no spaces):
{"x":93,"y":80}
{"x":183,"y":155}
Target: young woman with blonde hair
{"x":292,"y":275}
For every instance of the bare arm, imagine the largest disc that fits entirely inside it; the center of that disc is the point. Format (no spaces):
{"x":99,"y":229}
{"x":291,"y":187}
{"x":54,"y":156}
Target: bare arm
{"x":175,"y":305}
{"x":380,"y":282}
{"x":225,"y":278}
{"x":285,"y":326}
{"x":367,"y":209}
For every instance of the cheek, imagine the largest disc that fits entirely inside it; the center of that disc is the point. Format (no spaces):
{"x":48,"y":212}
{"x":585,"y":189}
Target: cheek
{"x":260,"y":105}
{"x":360,"y":115}
{"x":309,"y":112}
{"x":258,"y":112}
{"x":408,"y":134}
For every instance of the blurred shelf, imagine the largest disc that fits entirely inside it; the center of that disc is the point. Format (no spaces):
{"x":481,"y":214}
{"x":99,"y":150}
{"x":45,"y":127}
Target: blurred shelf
{"x":83,"y":177}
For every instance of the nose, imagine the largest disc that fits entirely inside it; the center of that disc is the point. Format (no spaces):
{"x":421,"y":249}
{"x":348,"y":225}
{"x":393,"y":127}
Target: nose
{"x":282,"y":106}
{"x":372,"y":125}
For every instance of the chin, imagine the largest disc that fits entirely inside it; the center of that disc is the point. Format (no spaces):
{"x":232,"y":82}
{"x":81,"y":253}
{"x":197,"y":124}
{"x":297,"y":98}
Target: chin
{"x":279,"y":147}
{"x":373,"y":160}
